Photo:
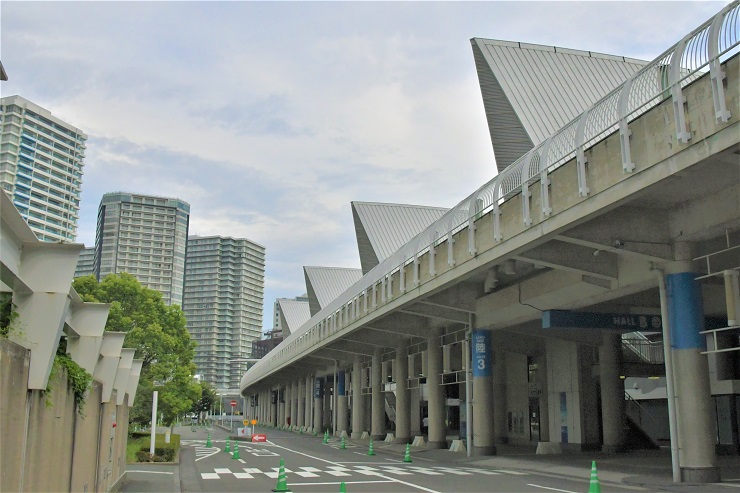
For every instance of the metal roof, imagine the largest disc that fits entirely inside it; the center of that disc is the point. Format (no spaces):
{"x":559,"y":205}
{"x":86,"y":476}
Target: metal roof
{"x":531,"y":91}
{"x":3,"y":75}
{"x":294,"y":313}
{"x":325,"y":284}
{"x":381,"y":229}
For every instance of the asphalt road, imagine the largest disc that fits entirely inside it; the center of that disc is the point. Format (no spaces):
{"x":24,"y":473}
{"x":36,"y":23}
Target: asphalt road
{"x":314,"y":467}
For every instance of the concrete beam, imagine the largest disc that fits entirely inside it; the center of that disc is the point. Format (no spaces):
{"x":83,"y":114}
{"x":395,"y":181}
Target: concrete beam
{"x":107,"y":365}
{"x":573,"y":258}
{"x":120,"y":384}
{"x":133,"y":381}
{"x":85,"y":327}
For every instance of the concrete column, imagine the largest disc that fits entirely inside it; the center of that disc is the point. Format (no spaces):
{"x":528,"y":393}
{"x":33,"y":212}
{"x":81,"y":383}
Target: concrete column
{"x":300,"y":395}
{"x":483,"y":429}
{"x":309,"y":403}
{"x":275,"y":407}
{"x":403,"y":418}
{"x":435,"y":391}
{"x":341,"y":402}
{"x":294,"y":404}
{"x":281,"y":407}
{"x":326,"y":408}
{"x":358,"y":403}
{"x":318,"y":404}
{"x":500,"y":425}
{"x":377,"y":423}
{"x":612,"y":392}
{"x":696,"y":430}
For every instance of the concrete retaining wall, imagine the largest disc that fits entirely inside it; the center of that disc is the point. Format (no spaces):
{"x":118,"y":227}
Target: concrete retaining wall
{"x":47,"y":445}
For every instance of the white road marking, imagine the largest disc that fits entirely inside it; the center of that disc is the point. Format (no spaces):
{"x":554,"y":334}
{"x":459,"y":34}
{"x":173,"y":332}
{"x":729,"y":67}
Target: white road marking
{"x":452,"y":470}
{"x":252,"y":470}
{"x":424,"y":470}
{"x":306,"y":474}
{"x":222,"y":470}
{"x":272,"y":475}
{"x":311,"y":469}
{"x":481,"y":471}
{"x":209,"y":475}
{"x":337,"y":473}
{"x":242,"y":461}
{"x":515,"y":473}
{"x":397,"y":470}
{"x":243,"y":475}
{"x":728,"y":484}
{"x":151,"y":472}
{"x":551,"y":489}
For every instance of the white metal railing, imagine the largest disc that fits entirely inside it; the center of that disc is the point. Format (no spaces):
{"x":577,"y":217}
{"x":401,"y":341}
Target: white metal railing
{"x":700,"y":51}
{"x":647,"y":350}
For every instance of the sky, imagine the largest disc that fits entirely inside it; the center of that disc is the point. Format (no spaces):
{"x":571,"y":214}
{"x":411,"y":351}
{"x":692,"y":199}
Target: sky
{"x":269,"y":118}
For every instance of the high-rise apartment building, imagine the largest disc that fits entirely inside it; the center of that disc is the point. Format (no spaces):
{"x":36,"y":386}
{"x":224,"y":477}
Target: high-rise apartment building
{"x":41,"y":164}
{"x":145,"y":236}
{"x":223,"y":302}
{"x":86,"y":263}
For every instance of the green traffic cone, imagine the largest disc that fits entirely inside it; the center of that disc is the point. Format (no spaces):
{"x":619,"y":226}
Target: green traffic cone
{"x":326,"y":437}
{"x":208,"y":442}
{"x":236,"y":451}
{"x":594,"y":486}
{"x":227,"y":446}
{"x":342,"y":487}
{"x":407,"y":456}
{"x":282,"y":482}
{"x":342,"y":446}
{"x":370,"y":451}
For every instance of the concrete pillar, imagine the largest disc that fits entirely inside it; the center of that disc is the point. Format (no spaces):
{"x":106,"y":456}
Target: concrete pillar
{"x":318,"y":405}
{"x":483,"y":429}
{"x":281,"y":407}
{"x":435,"y":391}
{"x":294,"y":404}
{"x":696,"y":430}
{"x":612,"y":392}
{"x":403,"y":418}
{"x":341,"y":402}
{"x":275,"y":407}
{"x":300,"y":395}
{"x":500,"y":425}
{"x":326,"y":418}
{"x":309,"y":403}
{"x":358,"y":403}
{"x":377,"y":423}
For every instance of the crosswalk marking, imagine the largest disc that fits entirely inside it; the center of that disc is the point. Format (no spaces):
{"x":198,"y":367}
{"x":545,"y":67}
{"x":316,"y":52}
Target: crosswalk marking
{"x":340,"y":471}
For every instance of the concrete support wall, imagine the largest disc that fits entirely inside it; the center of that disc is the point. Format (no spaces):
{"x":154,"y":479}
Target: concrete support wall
{"x":403,"y":420}
{"x":500,"y":430}
{"x":358,"y":401}
{"x":436,"y":402}
{"x":53,"y":447}
{"x":564,"y":392}
{"x":377,"y":423}
{"x":517,"y":398}
{"x":612,"y":392}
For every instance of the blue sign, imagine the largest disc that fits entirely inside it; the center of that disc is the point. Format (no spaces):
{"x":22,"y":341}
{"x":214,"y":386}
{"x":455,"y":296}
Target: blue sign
{"x":481,"y":348}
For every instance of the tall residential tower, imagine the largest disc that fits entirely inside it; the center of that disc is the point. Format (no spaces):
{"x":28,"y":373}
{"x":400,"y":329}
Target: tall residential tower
{"x":223,"y":301}
{"x":41,"y":161}
{"x":145,"y":236}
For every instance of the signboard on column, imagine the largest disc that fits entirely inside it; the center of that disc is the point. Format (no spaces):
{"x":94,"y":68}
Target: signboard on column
{"x":481,"y":347}
{"x":340,"y":383}
{"x":318,"y":388}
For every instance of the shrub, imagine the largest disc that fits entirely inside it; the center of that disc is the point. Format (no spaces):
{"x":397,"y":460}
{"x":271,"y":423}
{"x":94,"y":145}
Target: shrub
{"x":143,"y":456}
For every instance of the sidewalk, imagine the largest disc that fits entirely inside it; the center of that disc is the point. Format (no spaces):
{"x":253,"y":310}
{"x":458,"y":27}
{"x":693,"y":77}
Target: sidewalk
{"x":650,"y":469}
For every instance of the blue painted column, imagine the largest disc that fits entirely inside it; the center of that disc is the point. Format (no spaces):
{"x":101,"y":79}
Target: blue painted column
{"x":482,"y":361}
{"x":342,"y":423}
{"x":696,"y":430}
{"x":318,"y":409}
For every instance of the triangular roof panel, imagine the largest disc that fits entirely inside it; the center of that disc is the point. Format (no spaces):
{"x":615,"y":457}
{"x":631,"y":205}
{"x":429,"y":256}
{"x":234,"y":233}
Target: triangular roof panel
{"x":382,"y":229}
{"x":325,"y":284}
{"x":532,"y":91}
{"x":295,"y":314}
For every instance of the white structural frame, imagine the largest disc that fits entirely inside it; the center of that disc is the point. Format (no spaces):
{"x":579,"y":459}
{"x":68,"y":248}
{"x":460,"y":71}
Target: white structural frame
{"x":661,"y":79}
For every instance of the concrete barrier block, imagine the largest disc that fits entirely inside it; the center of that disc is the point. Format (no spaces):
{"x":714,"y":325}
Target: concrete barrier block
{"x":389,"y":438}
{"x":343,"y":434}
{"x":418,"y":441}
{"x":365,"y":436}
{"x":457,"y":446}
{"x":549,"y":448}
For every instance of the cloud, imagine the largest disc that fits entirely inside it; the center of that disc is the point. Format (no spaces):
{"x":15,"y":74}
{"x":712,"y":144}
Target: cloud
{"x":270,"y":117}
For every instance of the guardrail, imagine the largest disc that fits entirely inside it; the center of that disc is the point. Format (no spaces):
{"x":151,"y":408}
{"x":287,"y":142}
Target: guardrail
{"x":647,"y":350}
{"x":665,"y":77}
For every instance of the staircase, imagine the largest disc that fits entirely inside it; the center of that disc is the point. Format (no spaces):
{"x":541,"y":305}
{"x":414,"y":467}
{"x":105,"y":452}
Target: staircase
{"x":638,"y":347}
{"x":640,"y":426}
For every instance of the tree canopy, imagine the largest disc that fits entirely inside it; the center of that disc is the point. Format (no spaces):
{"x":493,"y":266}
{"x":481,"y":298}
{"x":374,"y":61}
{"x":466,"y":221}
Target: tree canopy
{"x":161,"y":340}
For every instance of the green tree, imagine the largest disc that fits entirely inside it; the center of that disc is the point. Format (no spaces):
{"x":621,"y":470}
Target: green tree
{"x":161,"y":340}
{"x":208,"y":397}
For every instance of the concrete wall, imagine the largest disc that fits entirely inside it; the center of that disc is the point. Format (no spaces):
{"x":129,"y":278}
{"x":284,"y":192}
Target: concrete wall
{"x":55,"y":448}
{"x":517,"y":398}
